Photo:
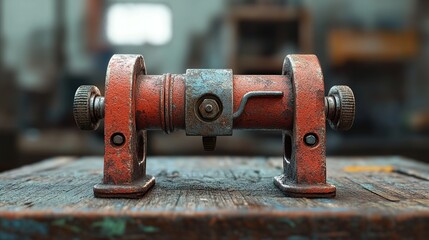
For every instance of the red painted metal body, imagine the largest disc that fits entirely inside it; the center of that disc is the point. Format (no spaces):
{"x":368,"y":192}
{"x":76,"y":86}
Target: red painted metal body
{"x":136,"y":102}
{"x":160,"y":102}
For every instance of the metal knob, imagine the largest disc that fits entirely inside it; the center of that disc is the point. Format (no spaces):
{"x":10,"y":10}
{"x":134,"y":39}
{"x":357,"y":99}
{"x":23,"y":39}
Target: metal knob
{"x":88,"y":107}
{"x":340,"y":108}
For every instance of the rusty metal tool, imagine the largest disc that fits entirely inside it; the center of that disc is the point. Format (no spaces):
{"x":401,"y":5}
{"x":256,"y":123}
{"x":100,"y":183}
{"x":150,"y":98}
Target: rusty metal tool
{"x":210,"y":103}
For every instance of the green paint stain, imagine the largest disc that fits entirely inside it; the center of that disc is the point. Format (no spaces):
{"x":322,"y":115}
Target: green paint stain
{"x":111,"y":227}
{"x":148,"y":229}
{"x":62,"y":222}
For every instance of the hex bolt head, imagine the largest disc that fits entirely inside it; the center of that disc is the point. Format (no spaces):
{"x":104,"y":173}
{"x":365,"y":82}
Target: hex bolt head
{"x":209,"y":109}
{"x":118,"y":139}
{"x":310,"y":139}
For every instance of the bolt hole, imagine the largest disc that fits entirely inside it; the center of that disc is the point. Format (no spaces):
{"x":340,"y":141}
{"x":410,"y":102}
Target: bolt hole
{"x":117,"y":139}
{"x":311,"y":139}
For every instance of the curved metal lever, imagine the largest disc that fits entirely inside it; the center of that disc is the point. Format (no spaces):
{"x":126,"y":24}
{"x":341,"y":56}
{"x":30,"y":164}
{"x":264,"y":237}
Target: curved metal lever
{"x":248,"y":95}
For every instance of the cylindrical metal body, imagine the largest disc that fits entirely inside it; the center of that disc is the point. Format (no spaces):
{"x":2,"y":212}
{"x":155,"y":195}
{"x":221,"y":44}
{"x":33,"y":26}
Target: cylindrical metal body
{"x":160,"y":102}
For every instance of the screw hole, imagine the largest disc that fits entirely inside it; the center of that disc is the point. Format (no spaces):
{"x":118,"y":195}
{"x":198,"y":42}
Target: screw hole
{"x":117,"y":139}
{"x":311,"y":139}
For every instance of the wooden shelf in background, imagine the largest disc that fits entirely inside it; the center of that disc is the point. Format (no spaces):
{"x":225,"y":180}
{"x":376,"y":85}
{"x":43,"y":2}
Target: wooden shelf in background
{"x":377,"y":46}
{"x":292,"y":26}
{"x":266,"y":13}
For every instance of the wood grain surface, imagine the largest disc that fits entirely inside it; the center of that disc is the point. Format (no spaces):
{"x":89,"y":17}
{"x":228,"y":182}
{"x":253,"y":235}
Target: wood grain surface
{"x":211,"y":198}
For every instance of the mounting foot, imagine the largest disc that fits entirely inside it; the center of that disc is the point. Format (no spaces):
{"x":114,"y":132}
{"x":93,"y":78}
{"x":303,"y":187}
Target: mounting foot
{"x":135,"y":189}
{"x":291,"y":189}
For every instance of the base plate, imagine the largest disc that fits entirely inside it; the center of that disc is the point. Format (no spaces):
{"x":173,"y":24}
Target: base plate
{"x":135,"y":189}
{"x":291,"y":189}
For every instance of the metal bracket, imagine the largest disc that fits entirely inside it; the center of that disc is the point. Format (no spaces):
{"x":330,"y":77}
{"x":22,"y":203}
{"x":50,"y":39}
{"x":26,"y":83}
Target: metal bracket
{"x":304,"y":161}
{"x":125,"y":146}
{"x":215,"y":84}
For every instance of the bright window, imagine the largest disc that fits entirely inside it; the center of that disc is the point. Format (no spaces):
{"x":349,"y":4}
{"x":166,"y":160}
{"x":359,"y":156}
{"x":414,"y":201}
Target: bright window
{"x":139,"y":23}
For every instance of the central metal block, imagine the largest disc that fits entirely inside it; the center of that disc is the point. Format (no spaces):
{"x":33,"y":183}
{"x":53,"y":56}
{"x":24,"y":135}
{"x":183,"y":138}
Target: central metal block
{"x":213,"y":84}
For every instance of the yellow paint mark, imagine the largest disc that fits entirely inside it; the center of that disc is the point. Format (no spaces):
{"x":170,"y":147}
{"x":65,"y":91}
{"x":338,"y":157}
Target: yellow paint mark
{"x":387,"y":168}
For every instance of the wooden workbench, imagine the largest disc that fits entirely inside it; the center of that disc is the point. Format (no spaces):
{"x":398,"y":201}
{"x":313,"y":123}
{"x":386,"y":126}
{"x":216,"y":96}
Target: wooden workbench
{"x":208,"y":198}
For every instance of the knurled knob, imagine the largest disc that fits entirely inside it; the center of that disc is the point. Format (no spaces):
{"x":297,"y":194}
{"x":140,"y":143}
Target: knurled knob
{"x":340,"y":108}
{"x":88,"y":107}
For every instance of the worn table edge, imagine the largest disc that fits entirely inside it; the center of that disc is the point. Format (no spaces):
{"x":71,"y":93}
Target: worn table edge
{"x":292,"y":213}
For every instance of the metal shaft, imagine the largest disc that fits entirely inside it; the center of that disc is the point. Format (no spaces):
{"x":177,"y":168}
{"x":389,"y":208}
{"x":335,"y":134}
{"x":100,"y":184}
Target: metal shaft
{"x":160,"y":102}
{"x":260,"y":103}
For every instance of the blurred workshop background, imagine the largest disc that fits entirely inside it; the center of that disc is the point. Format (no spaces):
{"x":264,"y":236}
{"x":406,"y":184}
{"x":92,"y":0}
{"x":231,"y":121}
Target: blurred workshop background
{"x":50,"y":47}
